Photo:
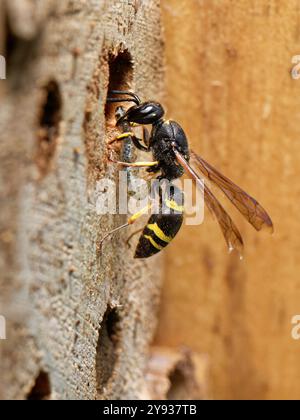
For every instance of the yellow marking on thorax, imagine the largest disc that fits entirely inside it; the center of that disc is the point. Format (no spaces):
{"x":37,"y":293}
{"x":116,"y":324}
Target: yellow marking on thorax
{"x":152,"y":241}
{"x":174,"y":206}
{"x":159,"y":233}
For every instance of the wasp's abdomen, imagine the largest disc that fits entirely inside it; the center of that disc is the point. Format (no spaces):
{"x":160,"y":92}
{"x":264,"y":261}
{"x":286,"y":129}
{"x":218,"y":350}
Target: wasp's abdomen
{"x":163,"y":227}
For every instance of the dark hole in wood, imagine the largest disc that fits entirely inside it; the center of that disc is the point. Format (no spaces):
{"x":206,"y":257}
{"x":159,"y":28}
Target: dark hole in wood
{"x":120,"y":77}
{"x":107,"y":347}
{"x":10,"y":43}
{"x":41,"y":389}
{"x":178,"y":385}
{"x":49,"y":124}
{"x":182,"y":382}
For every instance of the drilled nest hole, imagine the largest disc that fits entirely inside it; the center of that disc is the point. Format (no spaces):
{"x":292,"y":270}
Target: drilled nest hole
{"x":120,"y":78}
{"x":183,"y":385}
{"x":50,"y":117}
{"x":178,"y":385}
{"x":107,"y":347}
{"x":41,"y":389}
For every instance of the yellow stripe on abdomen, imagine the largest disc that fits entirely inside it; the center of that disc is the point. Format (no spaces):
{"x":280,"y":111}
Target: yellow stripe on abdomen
{"x":159,"y":233}
{"x":152,"y":241}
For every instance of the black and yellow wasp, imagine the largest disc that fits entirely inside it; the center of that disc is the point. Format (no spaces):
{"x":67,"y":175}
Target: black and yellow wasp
{"x":172,"y":157}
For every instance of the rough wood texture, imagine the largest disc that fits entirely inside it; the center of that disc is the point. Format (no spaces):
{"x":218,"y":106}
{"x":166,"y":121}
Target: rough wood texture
{"x":229,"y":84}
{"x":78,"y":326}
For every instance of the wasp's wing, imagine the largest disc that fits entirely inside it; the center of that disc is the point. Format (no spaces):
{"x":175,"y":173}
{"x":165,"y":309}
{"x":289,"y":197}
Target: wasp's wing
{"x":253,"y":212}
{"x":230,"y":231}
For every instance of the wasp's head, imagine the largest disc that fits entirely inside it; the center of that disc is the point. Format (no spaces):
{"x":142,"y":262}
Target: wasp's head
{"x":144,"y":114}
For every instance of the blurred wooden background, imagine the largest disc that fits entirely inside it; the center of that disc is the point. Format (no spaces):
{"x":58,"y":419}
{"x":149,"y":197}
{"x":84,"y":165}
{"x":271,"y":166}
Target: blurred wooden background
{"x":229,"y":83}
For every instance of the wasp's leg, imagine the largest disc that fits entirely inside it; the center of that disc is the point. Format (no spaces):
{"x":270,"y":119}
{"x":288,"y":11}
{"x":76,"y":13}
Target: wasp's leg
{"x":135,"y":140}
{"x":150,"y":176}
{"x":146,"y":134}
{"x":130,"y":222}
{"x":154,"y":169}
{"x":146,"y":137}
{"x":132,"y":236}
{"x":121,"y":137}
{"x":136,"y":164}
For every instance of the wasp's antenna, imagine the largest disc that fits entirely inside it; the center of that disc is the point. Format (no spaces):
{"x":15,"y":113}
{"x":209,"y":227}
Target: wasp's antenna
{"x":135,"y":98}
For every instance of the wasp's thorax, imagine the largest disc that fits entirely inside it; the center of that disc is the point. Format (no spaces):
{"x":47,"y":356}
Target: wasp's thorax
{"x":166,"y":137}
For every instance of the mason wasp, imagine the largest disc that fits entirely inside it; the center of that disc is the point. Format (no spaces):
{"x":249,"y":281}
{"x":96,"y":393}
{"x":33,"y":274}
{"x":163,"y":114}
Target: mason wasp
{"x":172,"y":158}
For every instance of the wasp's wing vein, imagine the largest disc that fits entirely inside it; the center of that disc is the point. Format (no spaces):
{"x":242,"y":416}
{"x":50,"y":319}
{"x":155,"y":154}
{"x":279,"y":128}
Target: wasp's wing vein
{"x":230,"y":231}
{"x":253,"y":212}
